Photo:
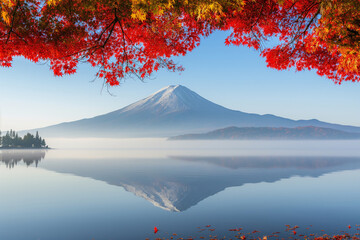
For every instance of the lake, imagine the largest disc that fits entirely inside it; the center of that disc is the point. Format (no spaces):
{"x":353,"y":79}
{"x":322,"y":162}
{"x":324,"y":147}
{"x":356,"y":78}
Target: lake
{"x":121,"y":189}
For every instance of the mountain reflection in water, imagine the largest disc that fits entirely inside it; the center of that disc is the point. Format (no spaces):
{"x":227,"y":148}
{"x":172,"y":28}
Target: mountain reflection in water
{"x":273,"y":161}
{"x":177,"y":183}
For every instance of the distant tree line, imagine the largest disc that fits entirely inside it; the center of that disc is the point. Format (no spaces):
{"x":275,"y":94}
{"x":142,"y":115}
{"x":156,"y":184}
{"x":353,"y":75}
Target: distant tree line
{"x":12,"y":140}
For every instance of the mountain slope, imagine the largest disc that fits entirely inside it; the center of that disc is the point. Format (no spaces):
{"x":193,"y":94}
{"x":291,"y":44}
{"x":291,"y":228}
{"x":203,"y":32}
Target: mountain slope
{"x":173,"y":110}
{"x":282,"y":133}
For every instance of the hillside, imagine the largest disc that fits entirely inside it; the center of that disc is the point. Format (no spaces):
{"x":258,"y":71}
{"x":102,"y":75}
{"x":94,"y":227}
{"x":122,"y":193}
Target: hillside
{"x":298,"y":133}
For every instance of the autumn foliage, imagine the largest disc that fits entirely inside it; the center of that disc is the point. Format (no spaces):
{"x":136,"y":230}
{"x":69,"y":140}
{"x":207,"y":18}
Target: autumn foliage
{"x":133,"y":38}
{"x":291,"y":232}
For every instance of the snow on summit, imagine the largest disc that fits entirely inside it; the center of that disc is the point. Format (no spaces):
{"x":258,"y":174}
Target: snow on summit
{"x":173,"y":98}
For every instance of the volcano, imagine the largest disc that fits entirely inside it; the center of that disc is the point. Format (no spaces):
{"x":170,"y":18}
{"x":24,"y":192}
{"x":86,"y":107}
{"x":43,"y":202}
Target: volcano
{"x":171,"y":111}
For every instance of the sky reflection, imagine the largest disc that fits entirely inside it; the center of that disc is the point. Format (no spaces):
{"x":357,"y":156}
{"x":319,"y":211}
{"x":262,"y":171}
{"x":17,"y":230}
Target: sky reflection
{"x":114,"y":197}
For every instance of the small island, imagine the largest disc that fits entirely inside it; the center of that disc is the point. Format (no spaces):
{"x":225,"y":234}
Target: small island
{"x":11,"y":140}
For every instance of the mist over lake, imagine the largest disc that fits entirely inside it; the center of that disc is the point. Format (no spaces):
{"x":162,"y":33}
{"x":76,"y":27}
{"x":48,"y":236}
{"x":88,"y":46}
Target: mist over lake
{"x":162,"y":146}
{"x":122,"y":188}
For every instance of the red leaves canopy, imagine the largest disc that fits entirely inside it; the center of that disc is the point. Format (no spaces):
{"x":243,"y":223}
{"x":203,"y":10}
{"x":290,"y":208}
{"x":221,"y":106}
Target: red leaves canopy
{"x":127,"y":38}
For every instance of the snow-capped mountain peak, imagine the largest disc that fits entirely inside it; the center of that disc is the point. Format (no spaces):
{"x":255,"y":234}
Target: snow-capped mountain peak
{"x":173,"y":98}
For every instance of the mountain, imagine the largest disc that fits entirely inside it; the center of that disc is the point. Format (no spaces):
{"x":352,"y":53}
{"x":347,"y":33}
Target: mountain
{"x":270,"y":133}
{"x":173,"y":110}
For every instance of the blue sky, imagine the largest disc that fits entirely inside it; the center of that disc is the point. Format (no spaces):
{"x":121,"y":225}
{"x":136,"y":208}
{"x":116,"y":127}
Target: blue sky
{"x":235,"y":77}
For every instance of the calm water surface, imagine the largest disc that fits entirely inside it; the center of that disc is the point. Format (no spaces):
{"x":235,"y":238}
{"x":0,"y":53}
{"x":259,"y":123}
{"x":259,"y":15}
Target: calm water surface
{"x":123,"y":191}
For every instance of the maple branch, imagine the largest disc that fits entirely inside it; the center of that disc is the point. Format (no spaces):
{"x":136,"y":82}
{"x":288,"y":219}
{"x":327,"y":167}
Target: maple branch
{"x":302,"y":33}
{"x":292,"y":5}
{"x":311,"y":21}
{"x":20,"y":37}
{"x":113,"y":23}
{"x":259,"y":15}
{"x":106,"y":28}
{"x":12,"y":21}
{"x":110,"y":33}
{"x":95,"y":47}
{"x":78,"y":52}
{"x":124,"y":43}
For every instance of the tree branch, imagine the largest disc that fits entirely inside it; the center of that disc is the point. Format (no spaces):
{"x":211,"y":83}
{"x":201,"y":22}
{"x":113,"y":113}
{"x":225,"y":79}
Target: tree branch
{"x":12,"y":21}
